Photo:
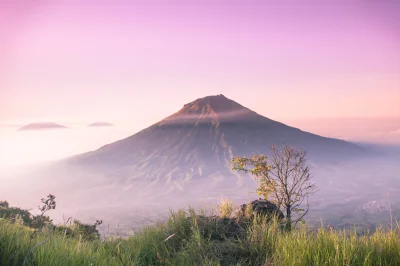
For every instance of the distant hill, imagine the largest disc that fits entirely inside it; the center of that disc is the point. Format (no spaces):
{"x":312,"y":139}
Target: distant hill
{"x":101,"y":124}
{"x":41,"y":126}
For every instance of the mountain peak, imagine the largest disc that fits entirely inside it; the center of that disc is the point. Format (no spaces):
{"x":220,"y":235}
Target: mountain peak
{"x":213,"y":108}
{"x":208,"y":98}
{"x":216,"y":103}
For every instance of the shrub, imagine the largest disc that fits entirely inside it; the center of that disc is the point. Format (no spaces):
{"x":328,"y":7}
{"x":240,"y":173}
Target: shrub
{"x":15,"y":214}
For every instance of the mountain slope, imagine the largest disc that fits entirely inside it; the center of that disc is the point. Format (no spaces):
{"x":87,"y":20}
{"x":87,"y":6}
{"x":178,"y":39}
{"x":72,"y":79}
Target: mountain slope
{"x":199,"y":142}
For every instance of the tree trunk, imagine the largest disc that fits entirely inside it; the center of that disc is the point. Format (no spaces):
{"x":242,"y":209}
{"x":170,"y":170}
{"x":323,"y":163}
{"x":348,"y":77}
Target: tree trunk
{"x":288,"y":218}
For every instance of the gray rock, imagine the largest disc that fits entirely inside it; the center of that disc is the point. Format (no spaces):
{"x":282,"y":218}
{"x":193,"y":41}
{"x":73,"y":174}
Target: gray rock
{"x":263,"y":207}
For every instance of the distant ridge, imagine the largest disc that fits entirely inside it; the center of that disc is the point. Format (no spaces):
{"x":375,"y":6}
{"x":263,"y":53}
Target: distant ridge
{"x":101,"y":124}
{"x":41,"y":126}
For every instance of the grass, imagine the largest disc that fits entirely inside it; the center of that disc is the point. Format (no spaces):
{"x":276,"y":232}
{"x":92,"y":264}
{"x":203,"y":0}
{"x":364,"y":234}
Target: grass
{"x":225,"y":208}
{"x":192,"y":238}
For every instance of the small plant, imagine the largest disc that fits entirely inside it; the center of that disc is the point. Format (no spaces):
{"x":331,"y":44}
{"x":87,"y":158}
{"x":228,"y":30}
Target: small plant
{"x":248,"y":211}
{"x":42,"y":220}
{"x":39,"y":221}
{"x":18,"y":219}
{"x":225,"y":208}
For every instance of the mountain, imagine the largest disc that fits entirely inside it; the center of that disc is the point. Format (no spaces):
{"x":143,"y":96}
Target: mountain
{"x":197,"y":144}
{"x":101,"y":124}
{"x":41,"y":126}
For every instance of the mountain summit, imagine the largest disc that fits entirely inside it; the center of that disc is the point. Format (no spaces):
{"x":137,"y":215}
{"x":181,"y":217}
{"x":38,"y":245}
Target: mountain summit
{"x":214,"y":109}
{"x":217,"y":104}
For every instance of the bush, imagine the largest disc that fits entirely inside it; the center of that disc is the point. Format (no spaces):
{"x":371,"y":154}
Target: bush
{"x":79,"y":230}
{"x":15,"y":214}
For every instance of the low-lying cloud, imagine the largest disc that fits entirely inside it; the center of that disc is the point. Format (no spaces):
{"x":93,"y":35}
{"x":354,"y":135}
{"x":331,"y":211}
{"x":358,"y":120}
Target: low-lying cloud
{"x":89,"y":195}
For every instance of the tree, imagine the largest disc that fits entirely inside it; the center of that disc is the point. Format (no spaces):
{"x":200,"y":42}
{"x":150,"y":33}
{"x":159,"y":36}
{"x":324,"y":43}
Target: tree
{"x":40,"y":220}
{"x":285,"y":180}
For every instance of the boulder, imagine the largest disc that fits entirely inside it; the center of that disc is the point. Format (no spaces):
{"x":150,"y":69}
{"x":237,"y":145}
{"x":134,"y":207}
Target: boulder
{"x":261,"y":207}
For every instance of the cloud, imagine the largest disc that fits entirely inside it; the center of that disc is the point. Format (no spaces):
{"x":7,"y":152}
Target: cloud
{"x":396,"y":132}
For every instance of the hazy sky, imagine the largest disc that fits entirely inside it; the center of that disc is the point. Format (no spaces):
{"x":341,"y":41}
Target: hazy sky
{"x":137,"y":62}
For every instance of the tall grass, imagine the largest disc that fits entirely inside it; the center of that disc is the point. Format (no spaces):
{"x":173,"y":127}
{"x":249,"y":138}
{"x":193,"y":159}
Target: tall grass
{"x":225,"y":208}
{"x":189,"y":238}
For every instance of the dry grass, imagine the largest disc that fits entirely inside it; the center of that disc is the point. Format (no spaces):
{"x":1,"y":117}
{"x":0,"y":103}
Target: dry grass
{"x":225,"y":208}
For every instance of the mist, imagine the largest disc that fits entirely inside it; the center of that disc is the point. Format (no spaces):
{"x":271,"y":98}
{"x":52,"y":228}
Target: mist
{"x":348,"y":190}
{"x":21,"y":148}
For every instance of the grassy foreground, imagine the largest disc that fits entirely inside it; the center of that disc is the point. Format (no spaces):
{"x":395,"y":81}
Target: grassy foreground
{"x":188,"y":238}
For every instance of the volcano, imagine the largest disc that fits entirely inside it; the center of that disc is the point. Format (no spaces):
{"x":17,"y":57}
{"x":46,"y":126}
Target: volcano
{"x":198,"y":143}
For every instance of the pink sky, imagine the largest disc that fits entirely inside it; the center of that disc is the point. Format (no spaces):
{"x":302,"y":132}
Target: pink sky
{"x":138,"y":63}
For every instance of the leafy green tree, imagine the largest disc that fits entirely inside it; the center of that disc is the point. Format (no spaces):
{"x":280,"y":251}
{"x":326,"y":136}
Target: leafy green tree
{"x":284,"y":179}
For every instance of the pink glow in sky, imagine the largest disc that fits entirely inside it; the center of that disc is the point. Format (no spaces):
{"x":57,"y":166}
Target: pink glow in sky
{"x":137,"y":63}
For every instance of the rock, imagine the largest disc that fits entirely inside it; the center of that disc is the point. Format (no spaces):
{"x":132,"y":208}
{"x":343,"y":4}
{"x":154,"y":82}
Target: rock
{"x":261,"y":206}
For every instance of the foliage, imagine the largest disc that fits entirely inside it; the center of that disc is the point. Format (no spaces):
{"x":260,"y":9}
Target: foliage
{"x":284,"y":180}
{"x":86,"y":232}
{"x":191,"y":239}
{"x":4,"y":204}
{"x":24,"y":217}
{"x":40,"y":221}
{"x":15,"y":214}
